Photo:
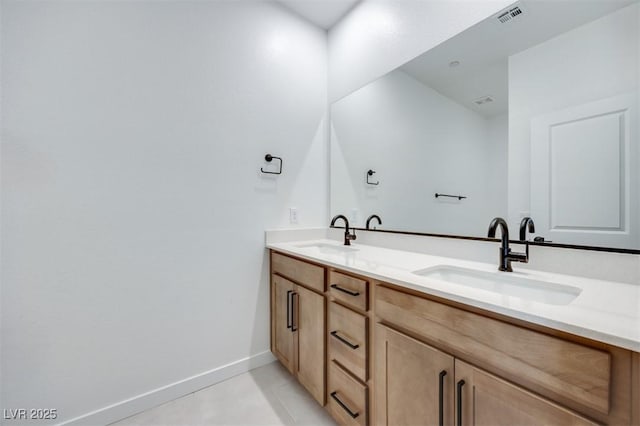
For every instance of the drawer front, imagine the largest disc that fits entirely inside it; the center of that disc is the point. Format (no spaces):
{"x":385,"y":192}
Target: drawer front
{"x":296,"y":270}
{"x":347,"y":399}
{"x":561,"y":370}
{"x":349,"y":290}
{"x":348,"y":339}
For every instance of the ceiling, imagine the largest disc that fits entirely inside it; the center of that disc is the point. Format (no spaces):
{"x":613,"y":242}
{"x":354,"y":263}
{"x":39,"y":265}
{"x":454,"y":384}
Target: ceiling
{"x":323,"y":13}
{"x":483,"y":50}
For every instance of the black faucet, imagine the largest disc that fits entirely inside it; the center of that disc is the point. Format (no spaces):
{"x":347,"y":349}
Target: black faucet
{"x":523,"y":227}
{"x":506,"y":256}
{"x":373,"y":216}
{"x":347,"y":236}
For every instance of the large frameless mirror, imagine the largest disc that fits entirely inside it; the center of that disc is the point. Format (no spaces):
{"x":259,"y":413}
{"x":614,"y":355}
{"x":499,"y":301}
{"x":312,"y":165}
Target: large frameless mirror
{"x":532,"y":112}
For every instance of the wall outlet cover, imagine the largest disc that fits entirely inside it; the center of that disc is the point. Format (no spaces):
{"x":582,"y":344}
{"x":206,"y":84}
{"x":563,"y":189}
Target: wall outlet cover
{"x":293,"y":215}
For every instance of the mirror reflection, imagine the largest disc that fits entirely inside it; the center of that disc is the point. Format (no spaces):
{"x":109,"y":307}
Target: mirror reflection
{"x":532,"y":112}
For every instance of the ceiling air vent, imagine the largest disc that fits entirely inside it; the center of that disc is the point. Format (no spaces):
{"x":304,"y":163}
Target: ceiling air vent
{"x":483,"y":100}
{"x":509,"y":14}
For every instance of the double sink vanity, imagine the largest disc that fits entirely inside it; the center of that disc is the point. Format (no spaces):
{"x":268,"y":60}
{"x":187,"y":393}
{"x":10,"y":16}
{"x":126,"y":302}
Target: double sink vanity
{"x":393,"y":337}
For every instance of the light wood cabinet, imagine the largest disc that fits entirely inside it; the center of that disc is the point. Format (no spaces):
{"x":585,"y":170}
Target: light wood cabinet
{"x":413,"y":381}
{"x":576,"y":374}
{"x":298,"y":322}
{"x":348,"y":399}
{"x":307,"y":274}
{"x":282,"y":337}
{"x":349,"y":349}
{"x":417,"y":384}
{"x":351,"y":291}
{"x":378,"y":353}
{"x":310,"y":333}
{"x":348,"y":339}
{"x":552,"y":376}
{"x":485,"y":399}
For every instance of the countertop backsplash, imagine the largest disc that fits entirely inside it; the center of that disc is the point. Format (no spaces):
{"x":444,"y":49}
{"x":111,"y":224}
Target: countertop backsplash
{"x":608,"y":266}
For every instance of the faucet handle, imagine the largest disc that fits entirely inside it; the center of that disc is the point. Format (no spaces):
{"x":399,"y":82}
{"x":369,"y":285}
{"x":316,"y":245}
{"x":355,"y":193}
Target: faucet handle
{"x":351,"y":236}
{"x":519,"y":257}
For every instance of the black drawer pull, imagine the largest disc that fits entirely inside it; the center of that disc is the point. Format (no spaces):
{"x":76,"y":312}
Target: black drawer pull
{"x":289,"y":320}
{"x":344,"y":290}
{"x":459,"y":405}
{"x":342,"y":404}
{"x":441,"y":397}
{"x":343,"y":340}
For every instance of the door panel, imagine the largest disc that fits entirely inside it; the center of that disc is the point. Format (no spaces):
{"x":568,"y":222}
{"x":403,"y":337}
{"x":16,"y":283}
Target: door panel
{"x":407,"y":381}
{"x":584,"y":179}
{"x":282,"y":342}
{"x":491,"y":401}
{"x":311,"y":341}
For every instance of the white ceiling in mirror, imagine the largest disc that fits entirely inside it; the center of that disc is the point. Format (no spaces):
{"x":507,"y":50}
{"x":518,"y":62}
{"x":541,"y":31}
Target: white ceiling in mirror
{"x":482,"y":54}
{"x":323,"y":13}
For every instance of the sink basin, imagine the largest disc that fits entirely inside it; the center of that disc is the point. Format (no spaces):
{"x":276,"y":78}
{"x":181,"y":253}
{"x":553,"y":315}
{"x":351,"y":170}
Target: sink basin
{"x":328,"y":248}
{"x":505,"y":283}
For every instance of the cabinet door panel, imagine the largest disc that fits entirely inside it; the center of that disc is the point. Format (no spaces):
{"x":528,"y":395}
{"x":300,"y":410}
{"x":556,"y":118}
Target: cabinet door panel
{"x":561,"y":370}
{"x":310,"y":324}
{"x":491,"y":401}
{"x":282,"y":338}
{"x":407,"y":381}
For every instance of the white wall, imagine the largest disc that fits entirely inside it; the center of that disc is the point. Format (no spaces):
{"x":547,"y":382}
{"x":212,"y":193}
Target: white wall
{"x":595,"y":61}
{"x":133,"y":210}
{"x":419,"y":142}
{"x":377,"y":36}
{"x":497,"y":153}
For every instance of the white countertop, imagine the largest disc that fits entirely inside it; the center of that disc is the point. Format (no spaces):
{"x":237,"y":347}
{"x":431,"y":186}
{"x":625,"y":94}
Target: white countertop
{"x":605,"y":311}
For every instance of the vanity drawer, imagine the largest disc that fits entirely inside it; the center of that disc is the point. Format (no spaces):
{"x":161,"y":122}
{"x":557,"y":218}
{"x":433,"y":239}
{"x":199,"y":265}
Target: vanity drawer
{"x":348,"y":339}
{"x":299,"y":271}
{"x":349,"y":290}
{"x":567,"y":372}
{"x":347,"y":397}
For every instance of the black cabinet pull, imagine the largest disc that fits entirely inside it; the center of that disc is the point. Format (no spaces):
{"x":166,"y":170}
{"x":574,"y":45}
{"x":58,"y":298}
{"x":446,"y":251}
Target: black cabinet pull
{"x":459,"y":404}
{"x":441,"y":398}
{"x":294,"y":326}
{"x":343,"y":405}
{"x":343,"y":340}
{"x":344,"y":290}
{"x":289,"y":308}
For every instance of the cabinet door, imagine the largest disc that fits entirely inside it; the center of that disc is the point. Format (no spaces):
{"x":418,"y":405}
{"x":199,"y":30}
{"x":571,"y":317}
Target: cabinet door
{"x":282,"y":336}
{"x":309,"y":308}
{"x":413,"y":381}
{"x":484,"y":399}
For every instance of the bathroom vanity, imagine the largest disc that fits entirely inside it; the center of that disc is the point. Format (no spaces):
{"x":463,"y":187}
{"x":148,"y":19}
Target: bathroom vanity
{"x":523,"y":117}
{"x":383,"y":336}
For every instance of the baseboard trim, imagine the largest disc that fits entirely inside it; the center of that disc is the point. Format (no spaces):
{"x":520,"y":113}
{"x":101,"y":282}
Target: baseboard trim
{"x":153,"y":398}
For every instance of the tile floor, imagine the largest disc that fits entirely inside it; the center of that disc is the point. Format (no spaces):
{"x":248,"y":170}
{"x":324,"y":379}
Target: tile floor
{"x":268,"y":395}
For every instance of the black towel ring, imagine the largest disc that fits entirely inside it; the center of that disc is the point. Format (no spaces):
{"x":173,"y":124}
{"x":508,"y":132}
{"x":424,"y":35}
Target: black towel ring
{"x":268,"y":158}
{"x":369,"y":174}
